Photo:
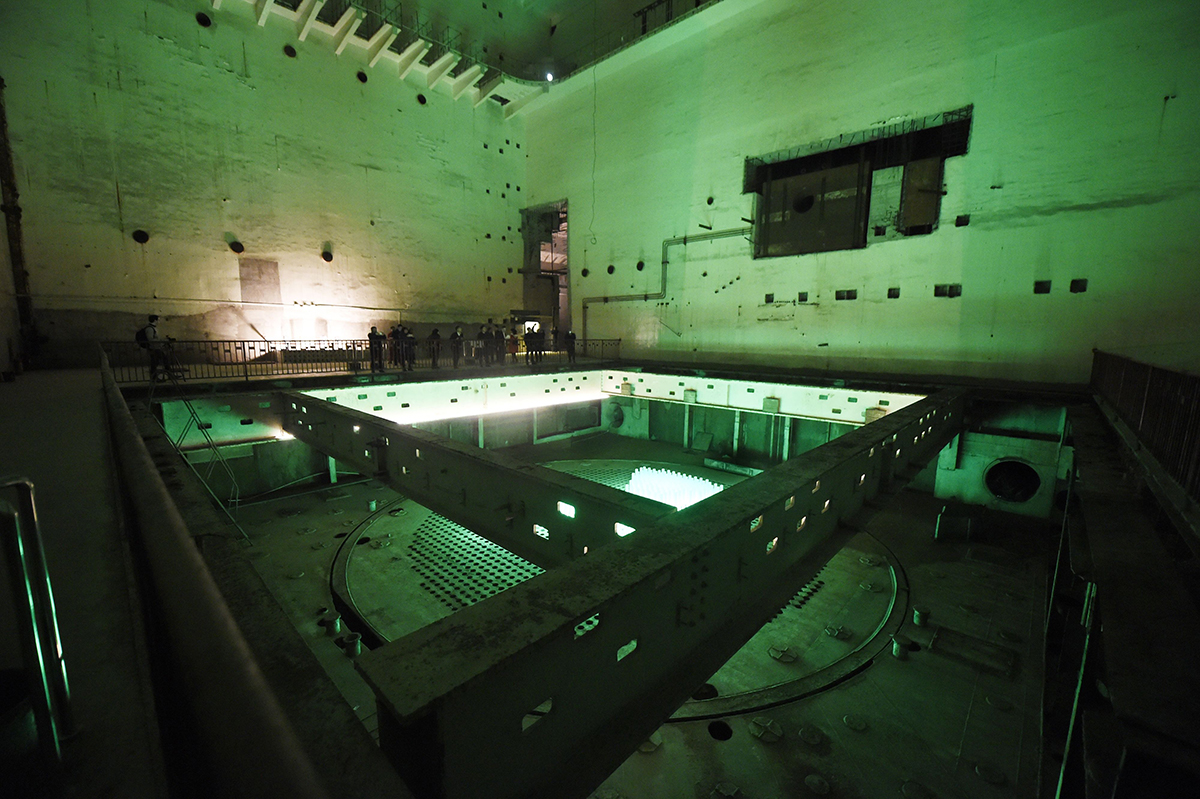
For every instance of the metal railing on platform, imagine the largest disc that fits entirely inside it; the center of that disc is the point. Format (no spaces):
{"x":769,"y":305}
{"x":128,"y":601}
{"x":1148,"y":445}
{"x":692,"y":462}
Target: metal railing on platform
{"x":245,"y":360}
{"x":1161,"y":407}
{"x":36,"y":622}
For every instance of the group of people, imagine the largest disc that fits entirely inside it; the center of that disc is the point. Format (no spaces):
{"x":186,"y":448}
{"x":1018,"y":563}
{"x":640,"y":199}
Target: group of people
{"x":488,"y":348}
{"x":400,"y":343}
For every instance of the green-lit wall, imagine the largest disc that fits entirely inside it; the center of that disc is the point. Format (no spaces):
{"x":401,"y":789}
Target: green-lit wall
{"x":1084,"y":162}
{"x":127,"y":114}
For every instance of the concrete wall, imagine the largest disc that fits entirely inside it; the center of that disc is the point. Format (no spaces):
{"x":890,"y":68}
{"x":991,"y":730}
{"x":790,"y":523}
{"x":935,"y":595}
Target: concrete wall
{"x":129,"y":115}
{"x":1084,"y":162}
{"x":9,"y":326}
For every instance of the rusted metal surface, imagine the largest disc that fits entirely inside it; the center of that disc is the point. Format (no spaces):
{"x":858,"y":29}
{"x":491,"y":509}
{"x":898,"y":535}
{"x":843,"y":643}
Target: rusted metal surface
{"x":545,"y":688}
{"x":512,"y":503}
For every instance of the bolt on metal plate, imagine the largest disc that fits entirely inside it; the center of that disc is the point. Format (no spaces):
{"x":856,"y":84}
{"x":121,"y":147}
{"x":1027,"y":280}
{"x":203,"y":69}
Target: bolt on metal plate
{"x":765,"y":729}
{"x":652,"y":743}
{"x":782,"y":653}
{"x":812,"y":735}
{"x":854,"y":722}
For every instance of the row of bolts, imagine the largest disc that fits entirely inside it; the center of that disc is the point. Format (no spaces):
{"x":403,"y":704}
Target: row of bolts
{"x":332,"y":621}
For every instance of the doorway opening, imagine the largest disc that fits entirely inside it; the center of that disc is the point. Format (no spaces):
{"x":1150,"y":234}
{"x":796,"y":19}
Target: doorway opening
{"x":546,"y":282}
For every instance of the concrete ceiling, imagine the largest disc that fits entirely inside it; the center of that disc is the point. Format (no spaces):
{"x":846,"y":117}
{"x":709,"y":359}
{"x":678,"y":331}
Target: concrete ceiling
{"x":523,"y":38}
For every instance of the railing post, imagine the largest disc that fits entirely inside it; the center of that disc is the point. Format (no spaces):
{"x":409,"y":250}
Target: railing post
{"x":245,"y":361}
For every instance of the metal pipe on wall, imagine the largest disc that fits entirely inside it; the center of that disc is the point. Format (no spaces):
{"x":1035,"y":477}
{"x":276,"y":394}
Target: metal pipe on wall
{"x":662,"y":288}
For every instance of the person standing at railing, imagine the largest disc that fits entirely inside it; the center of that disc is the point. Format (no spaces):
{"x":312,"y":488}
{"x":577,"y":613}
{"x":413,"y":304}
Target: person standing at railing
{"x":434,"y":342}
{"x":456,"y":345}
{"x":375,"y":340}
{"x":497,"y":344}
{"x":569,"y":342}
{"x":514,"y":344}
{"x":147,"y":338}
{"x":394,"y":337}
{"x":409,"y":345}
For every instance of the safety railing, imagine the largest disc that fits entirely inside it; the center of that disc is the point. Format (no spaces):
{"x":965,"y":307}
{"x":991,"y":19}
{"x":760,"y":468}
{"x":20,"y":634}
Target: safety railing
{"x":247,"y":360}
{"x":1161,"y":407}
{"x":33,"y":608}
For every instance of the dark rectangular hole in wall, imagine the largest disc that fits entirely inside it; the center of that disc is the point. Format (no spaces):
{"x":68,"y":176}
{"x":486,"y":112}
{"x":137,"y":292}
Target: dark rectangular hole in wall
{"x":894,"y":294}
{"x":802,"y":297}
{"x":1078,"y":285}
{"x":846,"y":294}
{"x":962,"y":220}
{"x":954,"y":290}
{"x":769,"y":298}
{"x":246,"y":422}
{"x":1041,"y":287}
{"x":941,"y":290}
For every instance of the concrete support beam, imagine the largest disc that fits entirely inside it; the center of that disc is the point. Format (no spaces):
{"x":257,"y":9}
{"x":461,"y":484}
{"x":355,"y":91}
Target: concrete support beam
{"x":345,"y":28}
{"x":488,"y":87}
{"x":306,"y":15}
{"x":412,"y":56}
{"x":440,"y":67}
{"x":514,"y":108}
{"x":380,"y":42}
{"x":664,"y":609}
{"x":262,"y":9}
{"x":546,"y":517}
{"x":464,"y":81}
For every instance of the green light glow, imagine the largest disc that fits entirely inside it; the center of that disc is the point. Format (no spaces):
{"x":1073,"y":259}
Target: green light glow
{"x":566,"y":510}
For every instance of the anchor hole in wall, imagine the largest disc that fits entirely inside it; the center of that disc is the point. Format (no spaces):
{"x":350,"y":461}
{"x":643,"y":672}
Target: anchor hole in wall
{"x":720,"y":731}
{"x":611,"y":269}
{"x":894,"y":294}
{"x":141,"y":236}
{"x":706,"y":691}
{"x":1078,"y":285}
{"x":289,"y":51}
{"x":1041,"y":287}
{"x":362,"y":76}
{"x":203,"y":20}
{"x":422,"y":100}
{"x":642,"y":265}
{"x":803,"y":205}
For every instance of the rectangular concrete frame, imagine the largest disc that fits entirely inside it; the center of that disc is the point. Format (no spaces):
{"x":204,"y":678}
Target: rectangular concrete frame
{"x":494,"y":495}
{"x":674,"y":602}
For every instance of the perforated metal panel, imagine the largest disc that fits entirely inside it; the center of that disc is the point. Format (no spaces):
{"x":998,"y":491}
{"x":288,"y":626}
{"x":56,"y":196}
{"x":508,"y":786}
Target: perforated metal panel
{"x":461,"y":568}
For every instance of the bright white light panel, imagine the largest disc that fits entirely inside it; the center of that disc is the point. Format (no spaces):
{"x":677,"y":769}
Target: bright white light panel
{"x":671,"y":488}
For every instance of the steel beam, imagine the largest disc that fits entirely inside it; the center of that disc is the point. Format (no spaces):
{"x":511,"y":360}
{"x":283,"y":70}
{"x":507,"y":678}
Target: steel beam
{"x":544,"y":689}
{"x":523,"y":507}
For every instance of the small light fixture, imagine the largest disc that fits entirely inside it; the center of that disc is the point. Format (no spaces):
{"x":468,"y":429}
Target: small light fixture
{"x":549,"y":77}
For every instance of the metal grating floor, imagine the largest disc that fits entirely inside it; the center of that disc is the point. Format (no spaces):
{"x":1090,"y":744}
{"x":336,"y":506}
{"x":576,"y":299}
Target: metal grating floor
{"x":461,"y":568}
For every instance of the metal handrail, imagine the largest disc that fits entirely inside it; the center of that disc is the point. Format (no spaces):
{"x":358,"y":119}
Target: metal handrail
{"x":247,"y":360}
{"x":253,"y":747}
{"x":38,"y":627}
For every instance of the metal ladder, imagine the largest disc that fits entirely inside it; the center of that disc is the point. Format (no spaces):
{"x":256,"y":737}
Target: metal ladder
{"x":230,"y":504}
